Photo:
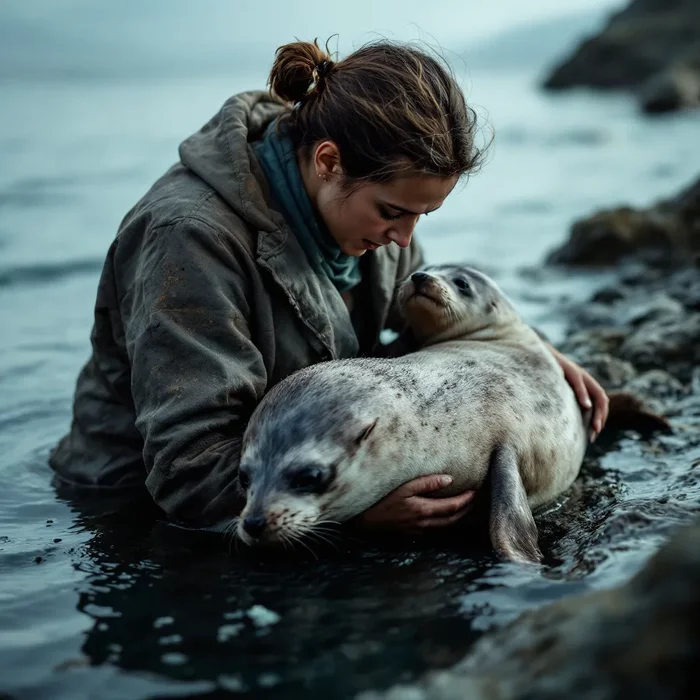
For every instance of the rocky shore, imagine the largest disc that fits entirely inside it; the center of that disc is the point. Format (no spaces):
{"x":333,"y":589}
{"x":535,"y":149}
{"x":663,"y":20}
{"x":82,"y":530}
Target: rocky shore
{"x":651,"y":47}
{"x":640,"y":333}
{"x":641,"y":640}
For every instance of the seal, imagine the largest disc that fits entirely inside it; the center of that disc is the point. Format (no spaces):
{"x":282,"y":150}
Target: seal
{"x":481,"y":397}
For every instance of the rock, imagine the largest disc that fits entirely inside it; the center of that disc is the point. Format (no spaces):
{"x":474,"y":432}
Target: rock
{"x":660,"y":306}
{"x":637,"y":273}
{"x":669,"y":231}
{"x":676,"y":88}
{"x":656,"y":384}
{"x":684,"y":286}
{"x":652,"y":46}
{"x":609,"y":295}
{"x":672,"y":344}
{"x":611,"y":372}
{"x":583,"y":344}
{"x":641,"y":640}
{"x":605,"y":237}
{"x":592,"y":315}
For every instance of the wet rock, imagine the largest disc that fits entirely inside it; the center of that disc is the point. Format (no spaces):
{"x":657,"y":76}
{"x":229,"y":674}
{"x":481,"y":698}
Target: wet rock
{"x":583,"y":344}
{"x":684,"y":286}
{"x":656,"y":385}
{"x":607,"y":236}
{"x":672,"y":89}
{"x":668,"y":231}
{"x":660,"y":306}
{"x":690,"y":405}
{"x":641,"y":640}
{"x":592,"y":316}
{"x":672,"y":344}
{"x":611,"y":372}
{"x":635,"y":273}
{"x":609,"y":295}
{"x":652,"y":47}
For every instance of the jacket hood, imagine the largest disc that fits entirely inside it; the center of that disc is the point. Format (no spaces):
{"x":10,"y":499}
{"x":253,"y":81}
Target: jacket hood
{"x":220,"y":154}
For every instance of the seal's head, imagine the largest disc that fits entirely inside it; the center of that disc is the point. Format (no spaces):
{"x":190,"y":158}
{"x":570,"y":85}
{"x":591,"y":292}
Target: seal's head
{"x":443,"y":302}
{"x":301,"y":460}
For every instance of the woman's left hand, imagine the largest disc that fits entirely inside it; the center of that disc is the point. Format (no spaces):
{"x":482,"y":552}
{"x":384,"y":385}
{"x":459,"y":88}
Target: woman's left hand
{"x":588,"y":392}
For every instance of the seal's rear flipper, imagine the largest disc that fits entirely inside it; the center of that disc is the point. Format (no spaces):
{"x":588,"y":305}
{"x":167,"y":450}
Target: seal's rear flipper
{"x":628,"y":412}
{"x":511,"y":525}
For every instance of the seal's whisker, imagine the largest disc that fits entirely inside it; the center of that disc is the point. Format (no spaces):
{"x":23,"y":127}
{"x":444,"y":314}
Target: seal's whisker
{"x":473,"y":370}
{"x":323,"y":538}
{"x":285,"y":541}
{"x":328,"y":534}
{"x":300,"y":540}
{"x":230,"y":531}
{"x":292,"y":539}
{"x":327,"y":522}
{"x":227,"y":536}
{"x":234,"y":532}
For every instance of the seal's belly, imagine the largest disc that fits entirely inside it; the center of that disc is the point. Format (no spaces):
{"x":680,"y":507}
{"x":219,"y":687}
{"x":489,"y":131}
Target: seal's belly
{"x":461,"y":405}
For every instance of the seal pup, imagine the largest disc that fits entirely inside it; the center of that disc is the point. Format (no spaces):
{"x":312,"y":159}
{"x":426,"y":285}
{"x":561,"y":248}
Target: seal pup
{"x":483,"y":396}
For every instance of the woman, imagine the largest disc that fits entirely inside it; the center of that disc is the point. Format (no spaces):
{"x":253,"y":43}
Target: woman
{"x":276,"y":242}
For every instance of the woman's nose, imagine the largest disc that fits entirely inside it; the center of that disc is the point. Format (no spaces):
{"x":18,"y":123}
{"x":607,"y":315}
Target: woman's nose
{"x":401,"y":235}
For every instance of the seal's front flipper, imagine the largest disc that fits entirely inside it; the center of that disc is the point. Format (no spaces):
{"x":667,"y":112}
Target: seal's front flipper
{"x":511,"y":525}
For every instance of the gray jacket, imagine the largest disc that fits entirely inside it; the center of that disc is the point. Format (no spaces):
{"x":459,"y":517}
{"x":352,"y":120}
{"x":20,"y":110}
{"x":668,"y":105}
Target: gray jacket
{"x":205,"y":301}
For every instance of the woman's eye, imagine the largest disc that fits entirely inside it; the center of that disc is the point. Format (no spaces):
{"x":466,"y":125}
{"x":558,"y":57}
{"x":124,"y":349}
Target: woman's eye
{"x":461,"y":284}
{"x":385,"y":214}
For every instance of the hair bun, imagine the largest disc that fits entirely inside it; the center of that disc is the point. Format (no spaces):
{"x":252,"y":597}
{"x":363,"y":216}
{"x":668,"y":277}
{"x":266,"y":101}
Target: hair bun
{"x":297,"y":66}
{"x":324,"y":68}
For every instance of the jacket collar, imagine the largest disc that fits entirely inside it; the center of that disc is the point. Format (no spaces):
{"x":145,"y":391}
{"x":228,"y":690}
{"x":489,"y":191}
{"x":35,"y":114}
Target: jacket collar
{"x":316,"y":300}
{"x":221,"y":154}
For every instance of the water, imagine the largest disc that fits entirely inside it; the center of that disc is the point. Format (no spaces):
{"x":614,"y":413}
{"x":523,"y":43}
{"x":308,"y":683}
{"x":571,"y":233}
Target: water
{"x":100,"y":600}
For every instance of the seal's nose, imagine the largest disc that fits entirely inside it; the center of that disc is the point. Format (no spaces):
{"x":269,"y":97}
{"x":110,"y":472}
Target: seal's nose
{"x":419,"y":279}
{"x":254,"y":525}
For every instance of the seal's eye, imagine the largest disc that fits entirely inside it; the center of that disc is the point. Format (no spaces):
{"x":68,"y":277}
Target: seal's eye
{"x":462,"y":285}
{"x":308,"y":480}
{"x":243,"y":480}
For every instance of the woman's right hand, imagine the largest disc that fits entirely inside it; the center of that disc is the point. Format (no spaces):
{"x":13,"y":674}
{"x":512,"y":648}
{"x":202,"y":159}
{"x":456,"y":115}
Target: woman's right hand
{"x":407,"y":509}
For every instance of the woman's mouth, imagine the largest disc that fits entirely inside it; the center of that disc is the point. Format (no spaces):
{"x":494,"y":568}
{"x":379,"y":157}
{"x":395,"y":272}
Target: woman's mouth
{"x":370,"y":245}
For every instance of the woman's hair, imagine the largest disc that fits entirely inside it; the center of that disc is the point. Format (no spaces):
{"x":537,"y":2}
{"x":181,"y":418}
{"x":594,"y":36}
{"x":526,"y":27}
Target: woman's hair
{"x":389,"y":107}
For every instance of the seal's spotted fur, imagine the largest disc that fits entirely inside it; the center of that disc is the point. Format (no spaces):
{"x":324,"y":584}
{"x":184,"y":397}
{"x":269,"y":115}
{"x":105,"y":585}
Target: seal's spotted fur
{"x":483,"y":394}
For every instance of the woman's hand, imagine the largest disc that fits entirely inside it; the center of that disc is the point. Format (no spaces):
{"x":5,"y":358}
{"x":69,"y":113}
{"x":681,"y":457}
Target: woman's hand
{"x":588,"y":392}
{"x":407,"y":509}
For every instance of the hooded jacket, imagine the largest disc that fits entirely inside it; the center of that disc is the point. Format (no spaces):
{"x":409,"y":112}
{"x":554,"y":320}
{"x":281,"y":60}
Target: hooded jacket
{"x":205,"y":301}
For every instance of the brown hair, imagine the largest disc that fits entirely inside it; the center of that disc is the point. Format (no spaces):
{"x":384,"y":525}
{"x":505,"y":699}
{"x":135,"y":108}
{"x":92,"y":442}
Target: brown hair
{"x":389,"y":107}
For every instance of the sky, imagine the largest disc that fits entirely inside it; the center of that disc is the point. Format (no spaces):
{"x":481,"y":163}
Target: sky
{"x":94,"y":33}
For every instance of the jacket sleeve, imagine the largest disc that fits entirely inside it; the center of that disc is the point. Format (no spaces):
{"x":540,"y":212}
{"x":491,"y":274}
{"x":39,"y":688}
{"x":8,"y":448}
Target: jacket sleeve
{"x":196,"y":373}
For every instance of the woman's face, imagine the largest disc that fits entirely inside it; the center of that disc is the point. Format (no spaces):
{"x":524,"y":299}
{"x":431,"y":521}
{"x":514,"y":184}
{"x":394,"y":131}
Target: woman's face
{"x":376,"y":214}
{"x":373,"y":214}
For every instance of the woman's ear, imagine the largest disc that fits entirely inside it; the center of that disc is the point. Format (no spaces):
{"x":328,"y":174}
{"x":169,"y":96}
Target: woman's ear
{"x":327,"y":159}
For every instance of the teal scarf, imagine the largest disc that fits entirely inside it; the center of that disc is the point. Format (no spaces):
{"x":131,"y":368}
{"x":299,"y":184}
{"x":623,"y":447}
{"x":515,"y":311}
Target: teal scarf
{"x":279,"y":162}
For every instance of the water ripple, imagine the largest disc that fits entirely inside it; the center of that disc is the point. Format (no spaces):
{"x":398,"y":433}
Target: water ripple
{"x":42,"y":273}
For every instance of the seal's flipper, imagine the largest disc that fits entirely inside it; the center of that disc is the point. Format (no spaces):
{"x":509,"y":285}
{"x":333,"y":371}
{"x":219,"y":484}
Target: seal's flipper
{"x":511,"y":525}
{"x":629,"y":412}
